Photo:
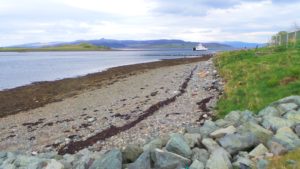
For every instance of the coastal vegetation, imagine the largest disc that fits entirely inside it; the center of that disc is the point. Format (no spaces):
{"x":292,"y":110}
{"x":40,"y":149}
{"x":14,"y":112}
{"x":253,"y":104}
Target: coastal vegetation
{"x":254,"y":78}
{"x":69,"y":47}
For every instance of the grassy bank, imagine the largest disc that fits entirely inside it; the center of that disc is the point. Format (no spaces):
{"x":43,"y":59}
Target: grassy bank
{"x":255,"y":78}
{"x":78,"y":47}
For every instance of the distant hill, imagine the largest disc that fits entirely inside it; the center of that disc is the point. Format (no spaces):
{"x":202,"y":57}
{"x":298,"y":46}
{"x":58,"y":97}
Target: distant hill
{"x":238,"y":44}
{"x":61,"y":47}
{"x":132,"y":44}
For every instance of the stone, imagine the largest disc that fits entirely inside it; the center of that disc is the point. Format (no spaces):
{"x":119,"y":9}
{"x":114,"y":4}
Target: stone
{"x":269,"y":111}
{"x":219,"y":159}
{"x":3,"y":154}
{"x":130,"y":153}
{"x":238,"y":142}
{"x":286,"y":107}
{"x":53,"y":164}
{"x":167,"y":160}
{"x":246,"y":116}
{"x":297,"y":130}
{"x":92,"y":119}
{"x":223,"y":123}
{"x":276,"y":148}
{"x":287,"y":138}
{"x":201,"y":155}
{"x":143,"y":162}
{"x":258,"y":151}
{"x":210,"y":144}
{"x":262,"y":164}
{"x":222,"y":132}
{"x":193,"y":139}
{"x":233,"y":117}
{"x":274,"y":123}
{"x":263,"y":135}
{"x":177,"y":144}
{"x":197,"y":165}
{"x":293,"y":116}
{"x":208,"y":127}
{"x":156,"y":143}
{"x":111,"y":159}
{"x":289,"y":99}
{"x":244,"y":163}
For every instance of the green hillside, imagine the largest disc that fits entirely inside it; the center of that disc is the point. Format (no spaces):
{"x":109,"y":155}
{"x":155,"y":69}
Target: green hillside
{"x":77,"y":47}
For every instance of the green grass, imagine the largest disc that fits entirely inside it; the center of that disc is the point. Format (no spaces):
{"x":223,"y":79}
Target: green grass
{"x":255,"y":78}
{"x":78,"y":47}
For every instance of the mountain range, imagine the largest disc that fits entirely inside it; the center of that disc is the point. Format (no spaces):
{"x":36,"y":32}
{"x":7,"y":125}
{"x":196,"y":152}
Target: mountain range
{"x":144,"y":44}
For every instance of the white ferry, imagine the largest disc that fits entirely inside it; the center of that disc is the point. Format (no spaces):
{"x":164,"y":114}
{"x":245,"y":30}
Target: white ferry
{"x":200,"y":47}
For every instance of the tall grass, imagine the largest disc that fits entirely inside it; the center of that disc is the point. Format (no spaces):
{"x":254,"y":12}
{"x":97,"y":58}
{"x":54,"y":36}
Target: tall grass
{"x":255,"y":78}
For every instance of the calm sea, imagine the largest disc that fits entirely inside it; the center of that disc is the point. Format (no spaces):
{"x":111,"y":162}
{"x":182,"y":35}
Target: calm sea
{"x":18,"y":69}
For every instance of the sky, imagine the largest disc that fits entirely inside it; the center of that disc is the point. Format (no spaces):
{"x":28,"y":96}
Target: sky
{"x":27,"y":21}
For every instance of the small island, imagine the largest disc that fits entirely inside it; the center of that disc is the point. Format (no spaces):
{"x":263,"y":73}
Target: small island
{"x":68,"y":47}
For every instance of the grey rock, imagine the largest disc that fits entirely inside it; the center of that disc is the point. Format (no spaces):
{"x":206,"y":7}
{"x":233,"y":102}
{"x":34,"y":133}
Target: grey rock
{"x":293,"y":116}
{"x":276,"y":148}
{"x":263,"y":135}
{"x":193,"y":139}
{"x":53,"y":164}
{"x":269,"y":111}
{"x":243,"y":163}
{"x":287,"y":138}
{"x":286,"y":107}
{"x":297,"y":130}
{"x":219,"y":159}
{"x":210,"y":144}
{"x":258,"y":151}
{"x":201,"y":155}
{"x":233,"y":116}
{"x":177,"y":144}
{"x":143,"y":162}
{"x":262,"y":164}
{"x":238,"y":142}
{"x":168,"y":160}
{"x":223,"y":131}
{"x":289,"y":99}
{"x":223,"y":123}
{"x":274,"y":123}
{"x":112,"y":159}
{"x":156,"y":143}
{"x":131,"y":152}
{"x":207,"y":128}
{"x":246,"y":116}
{"x":197,"y":165}
{"x":83,"y":161}
{"x":3,"y":154}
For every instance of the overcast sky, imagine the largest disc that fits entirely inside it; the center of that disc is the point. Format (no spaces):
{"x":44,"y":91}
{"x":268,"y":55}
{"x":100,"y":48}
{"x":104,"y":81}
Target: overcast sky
{"x":25,"y":21}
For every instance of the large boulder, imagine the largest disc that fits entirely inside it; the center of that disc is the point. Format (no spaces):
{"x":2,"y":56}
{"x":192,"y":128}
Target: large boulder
{"x":193,"y":139}
{"x":286,"y":107}
{"x":210,"y":144}
{"x":274,"y":123}
{"x":177,"y":144}
{"x":238,"y":142}
{"x":208,"y":127}
{"x":157,"y":143}
{"x":287,"y":138}
{"x":197,"y":165}
{"x":131,"y":152}
{"x":233,"y":117}
{"x":289,"y":99}
{"x":263,"y":135}
{"x":167,"y":160}
{"x":258,"y":151}
{"x":276,"y":148}
{"x":143,"y":162}
{"x":112,"y":159}
{"x":269,"y":111}
{"x":297,"y":130}
{"x":222,"y":132}
{"x":200,"y":154}
{"x":293,"y":116}
{"x":219,"y":159}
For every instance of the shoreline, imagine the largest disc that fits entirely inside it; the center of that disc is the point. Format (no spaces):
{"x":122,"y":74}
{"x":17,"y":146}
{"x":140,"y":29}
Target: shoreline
{"x":39,"y":94}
